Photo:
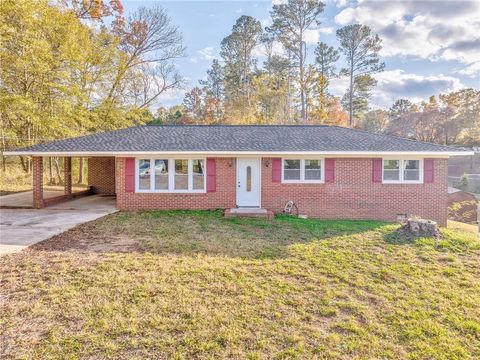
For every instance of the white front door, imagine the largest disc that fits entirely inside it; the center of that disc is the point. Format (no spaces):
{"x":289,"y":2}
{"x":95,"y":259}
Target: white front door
{"x":248,"y":182}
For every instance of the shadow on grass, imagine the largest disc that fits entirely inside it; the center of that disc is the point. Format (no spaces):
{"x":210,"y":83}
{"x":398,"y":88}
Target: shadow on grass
{"x":200,"y":232}
{"x":398,"y":237}
{"x":450,"y":240}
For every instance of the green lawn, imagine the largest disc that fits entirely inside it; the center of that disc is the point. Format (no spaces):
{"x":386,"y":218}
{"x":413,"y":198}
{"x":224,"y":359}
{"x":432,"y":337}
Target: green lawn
{"x":196,"y":285}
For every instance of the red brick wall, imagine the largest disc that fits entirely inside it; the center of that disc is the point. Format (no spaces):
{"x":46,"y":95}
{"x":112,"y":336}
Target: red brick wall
{"x":101,"y":175}
{"x":352,"y":195}
{"x":37,"y":184}
{"x":223,"y":197}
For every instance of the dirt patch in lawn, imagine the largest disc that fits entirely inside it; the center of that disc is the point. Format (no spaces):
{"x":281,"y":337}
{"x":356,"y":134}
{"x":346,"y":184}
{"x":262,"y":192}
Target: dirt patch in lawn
{"x":84,"y":238}
{"x":73,"y":241}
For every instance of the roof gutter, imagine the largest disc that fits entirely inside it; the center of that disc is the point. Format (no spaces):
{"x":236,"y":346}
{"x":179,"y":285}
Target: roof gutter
{"x":239,"y":153}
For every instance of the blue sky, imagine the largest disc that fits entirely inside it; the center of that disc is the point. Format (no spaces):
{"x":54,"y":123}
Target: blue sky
{"x":429,"y":46}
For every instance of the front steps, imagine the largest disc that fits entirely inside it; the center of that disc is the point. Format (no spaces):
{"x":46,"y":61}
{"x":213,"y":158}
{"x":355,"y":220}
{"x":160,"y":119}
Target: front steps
{"x":249,"y":212}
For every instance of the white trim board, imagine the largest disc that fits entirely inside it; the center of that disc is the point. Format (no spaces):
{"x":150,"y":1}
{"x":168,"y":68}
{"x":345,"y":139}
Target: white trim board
{"x":433,"y":154}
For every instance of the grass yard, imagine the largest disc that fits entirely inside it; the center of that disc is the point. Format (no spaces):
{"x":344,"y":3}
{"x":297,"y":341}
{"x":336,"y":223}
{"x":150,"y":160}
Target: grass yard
{"x":195,"y":285}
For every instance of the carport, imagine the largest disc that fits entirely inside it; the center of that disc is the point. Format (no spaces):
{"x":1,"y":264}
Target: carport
{"x":101,"y":181}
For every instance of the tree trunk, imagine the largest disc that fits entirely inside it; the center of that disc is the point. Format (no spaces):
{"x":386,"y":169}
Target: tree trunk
{"x":287,"y":100}
{"x":350,"y":99}
{"x":303,"y":114}
{"x":50,"y":171}
{"x":24,"y":163}
{"x":4,"y":166}
{"x":422,"y":227}
{"x":57,"y":170}
{"x":80,"y":170}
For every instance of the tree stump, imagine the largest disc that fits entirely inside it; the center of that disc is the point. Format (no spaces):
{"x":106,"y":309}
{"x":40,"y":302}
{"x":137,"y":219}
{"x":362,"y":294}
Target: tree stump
{"x":422,"y":227}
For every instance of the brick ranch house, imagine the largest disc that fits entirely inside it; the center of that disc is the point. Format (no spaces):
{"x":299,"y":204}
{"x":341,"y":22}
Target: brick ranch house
{"x":327,"y":171}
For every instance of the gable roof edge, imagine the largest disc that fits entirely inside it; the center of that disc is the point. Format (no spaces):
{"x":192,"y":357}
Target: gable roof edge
{"x":243,"y":153}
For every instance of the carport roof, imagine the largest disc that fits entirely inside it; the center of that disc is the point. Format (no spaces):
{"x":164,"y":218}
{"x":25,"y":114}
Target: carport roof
{"x":236,"y":139}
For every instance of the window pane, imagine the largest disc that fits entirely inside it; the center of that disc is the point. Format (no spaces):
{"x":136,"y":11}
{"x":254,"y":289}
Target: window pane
{"x":144,"y":174}
{"x":391,"y":170}
{"x":161,"y":174}
{"x":411,"y":171}
{"x":181,"y":174}
{"x":291,"y":169}
{"x":312,"y":170}
{"x":198,"y":175}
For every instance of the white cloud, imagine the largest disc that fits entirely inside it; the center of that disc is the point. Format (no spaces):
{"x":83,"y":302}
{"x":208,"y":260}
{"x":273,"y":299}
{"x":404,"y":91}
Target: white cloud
{"x":446,"y":30}
{"x":238,"y":11}
{"x":397,"y":84}
{"x":337,"y":3}
{"x":259,"y":50}
{"x":207,"y":53}
{"x":278,"y":2}
{"x":194,"y":60}
{"x":171,"y":97}
{"x":266,"y":22}
{"x":472,"y":70}
{"x":326,"y":30}
{"x":312,"y":36}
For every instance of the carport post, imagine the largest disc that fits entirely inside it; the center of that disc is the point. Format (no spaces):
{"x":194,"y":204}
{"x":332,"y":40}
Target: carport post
{"x":38,"y":202}
{"x":68,"y":175}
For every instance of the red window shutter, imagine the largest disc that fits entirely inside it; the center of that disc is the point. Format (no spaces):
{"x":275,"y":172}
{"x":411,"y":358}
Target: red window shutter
{"x":211,"y":175}
{"x":329,"y":170}
{"x":276,"y":170}
{"x":377,"y":165}
{"x":428,"y":170}
{"x":129,"y":174}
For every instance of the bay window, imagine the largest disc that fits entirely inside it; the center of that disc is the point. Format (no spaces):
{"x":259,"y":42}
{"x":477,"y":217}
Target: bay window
{"x":181,"y":174}
{"x":198,"y":170}
{"x":170,"y":175}
{"x":302,"y":170}
{"x":402,"y":171}
{"x":144,"y":174}
{"x":161,"y":174}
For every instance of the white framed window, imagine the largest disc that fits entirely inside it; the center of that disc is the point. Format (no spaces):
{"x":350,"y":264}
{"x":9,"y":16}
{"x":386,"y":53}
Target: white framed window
{"x":402,"y":171}
{"x":302,"y":171}
{"x":170,"y":175}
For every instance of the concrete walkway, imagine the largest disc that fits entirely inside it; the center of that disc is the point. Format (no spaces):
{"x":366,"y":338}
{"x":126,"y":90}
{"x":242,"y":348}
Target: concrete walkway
{"x":20,"y":228}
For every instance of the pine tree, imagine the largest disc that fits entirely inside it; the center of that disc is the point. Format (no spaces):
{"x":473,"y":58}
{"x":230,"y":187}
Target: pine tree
{"x":325,"y":59}
{"x":361,"y":50}
{"x":236,"y":51}
{"x":213,"y":85}
{"x":291,"y":20}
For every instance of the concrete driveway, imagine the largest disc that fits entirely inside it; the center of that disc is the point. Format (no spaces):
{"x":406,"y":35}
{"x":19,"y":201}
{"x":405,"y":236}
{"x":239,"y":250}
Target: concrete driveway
{"x":20,"y":228}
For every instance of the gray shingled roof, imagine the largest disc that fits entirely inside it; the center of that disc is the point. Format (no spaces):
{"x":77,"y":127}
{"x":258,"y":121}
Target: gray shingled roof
{"x":236,"y":138}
